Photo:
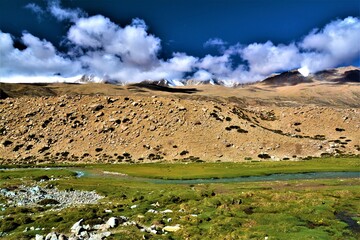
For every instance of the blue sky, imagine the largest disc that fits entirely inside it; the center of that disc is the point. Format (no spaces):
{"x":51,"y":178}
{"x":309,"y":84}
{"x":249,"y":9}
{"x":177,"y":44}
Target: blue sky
{"x":240,"y":41}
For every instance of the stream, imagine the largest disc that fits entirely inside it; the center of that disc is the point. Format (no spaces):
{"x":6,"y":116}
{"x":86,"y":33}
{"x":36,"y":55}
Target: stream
{"x":82,"y":172}
{"x":271,"y":177}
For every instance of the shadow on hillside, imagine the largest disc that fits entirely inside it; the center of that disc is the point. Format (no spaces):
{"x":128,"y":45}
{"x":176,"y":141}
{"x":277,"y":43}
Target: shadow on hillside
{"x":155,"y":87}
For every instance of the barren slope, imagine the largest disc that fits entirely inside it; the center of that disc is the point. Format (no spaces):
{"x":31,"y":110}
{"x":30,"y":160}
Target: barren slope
{"x":107,"y":123}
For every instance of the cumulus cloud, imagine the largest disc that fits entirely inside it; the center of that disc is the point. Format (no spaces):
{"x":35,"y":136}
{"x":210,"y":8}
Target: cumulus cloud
{"x":337,"y":43}
{"x":99,"y":47}
{"x":217,"y":65}
{"x":202,"y":75}
{"x":132,"y":44}
{"x":267,"y":58}
{"x":39,"y":58}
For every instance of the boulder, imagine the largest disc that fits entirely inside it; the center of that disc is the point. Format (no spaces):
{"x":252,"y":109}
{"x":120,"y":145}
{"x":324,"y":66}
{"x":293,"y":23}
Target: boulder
{"x":123,"y":219}
{"x":51,"y":236}
{"x":76,"y":226}
{"x":39,"y":237}
{"x":100,"y":236}
{"x":62,"y":237}
{"x":112,"y":222}
{"x":96,"y":107}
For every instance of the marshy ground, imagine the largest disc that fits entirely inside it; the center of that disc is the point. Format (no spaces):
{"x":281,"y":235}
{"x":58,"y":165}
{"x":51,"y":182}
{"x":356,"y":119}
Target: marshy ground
{"x":295,"y":209}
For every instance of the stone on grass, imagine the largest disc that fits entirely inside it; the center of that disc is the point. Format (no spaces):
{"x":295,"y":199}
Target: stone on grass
{"x":76,"y":225}
{"x":39,"y":237}
{"x":112,"y":222}
{"x":172,"y":228}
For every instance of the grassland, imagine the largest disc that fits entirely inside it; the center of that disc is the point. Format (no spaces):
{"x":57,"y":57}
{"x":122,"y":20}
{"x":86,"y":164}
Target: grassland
{"x":229,"y":170}
{"x":297,"y":209}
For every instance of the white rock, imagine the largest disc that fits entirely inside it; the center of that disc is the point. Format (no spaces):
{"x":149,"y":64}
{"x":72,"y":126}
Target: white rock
{"x":155,"y":204}
{"x":152,"y":211}
{"x":76,"y":225}
{"x":100,"y":236}
{"x":62,"y":237}
{"x":39,"y":237}
{"x":167,"y":211}
{"x":133,"y":206}
{"x":78,"y":230}
{"x":112,"y":222}
{"x":171,"y":228}
{"x":123,"y":219}
{"x":100,"y":227}
{"x":87,"y":227}
{"x":84,"y":234}
{"x":51,"y":236}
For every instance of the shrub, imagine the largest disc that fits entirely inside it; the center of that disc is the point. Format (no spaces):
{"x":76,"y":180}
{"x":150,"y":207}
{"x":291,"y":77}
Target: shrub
{"x":7,"y":143}
{"x":339,"y":129}
{"x":240,"y":130}
{"x":43,"y":149}
{"x":17,"y":147}
{"x":24,"y":220}
{"x":264,"y":156}
{"x":43,"y":177}
{"x":8,"y":224}
{"x":47,"y":201}
{"x":184,"y":152}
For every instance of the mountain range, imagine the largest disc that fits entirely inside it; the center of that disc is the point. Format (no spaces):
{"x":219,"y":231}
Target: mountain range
{"x":337,"y":75}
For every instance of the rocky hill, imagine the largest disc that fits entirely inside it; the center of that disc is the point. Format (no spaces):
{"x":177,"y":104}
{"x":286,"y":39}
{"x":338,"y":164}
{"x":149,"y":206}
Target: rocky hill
{"x":338,"y":75}
{"x":137,"y":123}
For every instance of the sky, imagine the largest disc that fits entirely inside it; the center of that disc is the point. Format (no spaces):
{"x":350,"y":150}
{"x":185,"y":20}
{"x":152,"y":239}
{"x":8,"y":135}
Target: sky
{"x":238,"y":41}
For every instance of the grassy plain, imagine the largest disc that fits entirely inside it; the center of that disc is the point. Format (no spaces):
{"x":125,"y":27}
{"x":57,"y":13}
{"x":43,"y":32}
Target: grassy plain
{"x":297,"y":209}
{"x":228,"y":170}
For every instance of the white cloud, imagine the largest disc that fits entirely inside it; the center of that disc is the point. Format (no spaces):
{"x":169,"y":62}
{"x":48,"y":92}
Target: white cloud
{"x":181,"y":62}
{"x":214,"y":42}
{"x":202,"y":75}
{"x":132,"y":44}
{"x":267,"y":58}
{"x":35,"y":8}
{"x":6,"y":45}
{"x":39,"y":58}
{"x":217,"y":65}
{"x":62,"y":14}
{"x":41,"y":79}
{"x":92,"y":32}
{"x":337,"y":43}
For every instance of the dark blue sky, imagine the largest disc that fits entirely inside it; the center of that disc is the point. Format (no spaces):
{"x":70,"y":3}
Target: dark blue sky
{"x":134,"y":40}
{"x":185,"y":26}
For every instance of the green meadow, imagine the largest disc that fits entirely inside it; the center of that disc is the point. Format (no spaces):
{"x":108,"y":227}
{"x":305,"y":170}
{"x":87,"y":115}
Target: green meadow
{"x":228,"y":169}
{"x":296,"y":209}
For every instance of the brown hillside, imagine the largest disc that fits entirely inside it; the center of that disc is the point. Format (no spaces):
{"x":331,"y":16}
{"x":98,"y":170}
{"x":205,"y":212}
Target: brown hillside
{"x":109,"y":123}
